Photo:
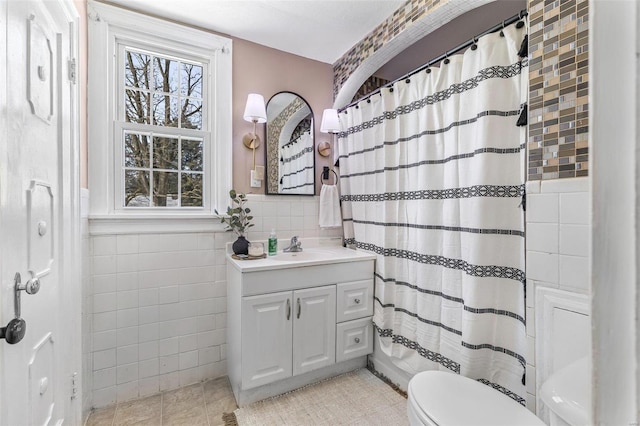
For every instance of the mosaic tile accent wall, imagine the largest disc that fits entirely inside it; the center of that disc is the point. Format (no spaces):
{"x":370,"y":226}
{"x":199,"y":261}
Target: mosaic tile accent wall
{"x":399,"y":21}
{"x":372,"y":83}
{"x":273,"y":138}
{"x":558,"y":89}
{"x":558,"y":80}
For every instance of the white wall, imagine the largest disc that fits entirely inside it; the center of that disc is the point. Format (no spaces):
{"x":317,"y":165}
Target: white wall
{"x":159,"y":300}
{"x":87,"y":299}
{"x":557,"y":247}
{"x":614,"y":146}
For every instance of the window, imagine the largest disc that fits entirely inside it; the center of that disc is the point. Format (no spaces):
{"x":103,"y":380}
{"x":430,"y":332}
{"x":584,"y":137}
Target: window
{"x":162,"y":166}
{"x":159,"y":117}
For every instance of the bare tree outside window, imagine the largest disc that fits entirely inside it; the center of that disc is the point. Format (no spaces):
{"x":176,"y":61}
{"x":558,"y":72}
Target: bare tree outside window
{"x":162,"y":170}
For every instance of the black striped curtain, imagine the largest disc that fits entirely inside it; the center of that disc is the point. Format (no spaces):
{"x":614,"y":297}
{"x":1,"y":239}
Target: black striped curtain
{"x":432,"y":178}
{"x":296,"y":167}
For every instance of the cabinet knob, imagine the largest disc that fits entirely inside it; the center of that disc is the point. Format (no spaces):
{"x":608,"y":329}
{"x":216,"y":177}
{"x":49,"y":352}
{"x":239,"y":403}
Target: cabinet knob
{"x":357,"y":340}
{"x":357,"y":301}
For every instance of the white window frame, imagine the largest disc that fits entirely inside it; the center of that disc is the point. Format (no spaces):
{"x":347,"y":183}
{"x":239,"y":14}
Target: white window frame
{"x":111,"y":27}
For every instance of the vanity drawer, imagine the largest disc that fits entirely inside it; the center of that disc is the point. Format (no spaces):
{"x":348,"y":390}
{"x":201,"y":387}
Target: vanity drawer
{"x":354,"y":339}
{"x":355,"y":300}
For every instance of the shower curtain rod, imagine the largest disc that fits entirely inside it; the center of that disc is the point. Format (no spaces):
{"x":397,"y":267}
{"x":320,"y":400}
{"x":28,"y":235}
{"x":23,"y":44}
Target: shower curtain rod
{"x":455,"y":50}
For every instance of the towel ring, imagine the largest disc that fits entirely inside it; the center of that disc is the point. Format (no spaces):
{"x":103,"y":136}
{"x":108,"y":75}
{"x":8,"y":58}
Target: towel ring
{"x":325,"y":175}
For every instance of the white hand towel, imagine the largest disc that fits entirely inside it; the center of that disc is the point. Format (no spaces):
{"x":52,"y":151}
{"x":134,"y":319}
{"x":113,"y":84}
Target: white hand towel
{"x":330,"y":216}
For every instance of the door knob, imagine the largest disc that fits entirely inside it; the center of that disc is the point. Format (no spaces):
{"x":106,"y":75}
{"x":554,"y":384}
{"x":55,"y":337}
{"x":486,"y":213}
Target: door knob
{"x":17,"y":327}
{"x":14,"y":331}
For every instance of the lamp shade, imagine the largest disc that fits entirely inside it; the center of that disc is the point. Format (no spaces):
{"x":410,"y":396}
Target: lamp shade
{"x":330,"y":121}
{"x":255,"y":109}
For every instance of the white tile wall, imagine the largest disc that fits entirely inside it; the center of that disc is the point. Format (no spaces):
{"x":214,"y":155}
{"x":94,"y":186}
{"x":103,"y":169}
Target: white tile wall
{"x":557,"y":249}
{"x":87,"y":377}
{"x":159,"y":300}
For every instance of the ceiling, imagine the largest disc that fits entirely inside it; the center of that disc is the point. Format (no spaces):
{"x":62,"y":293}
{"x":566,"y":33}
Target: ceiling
{"x":322,"y":30}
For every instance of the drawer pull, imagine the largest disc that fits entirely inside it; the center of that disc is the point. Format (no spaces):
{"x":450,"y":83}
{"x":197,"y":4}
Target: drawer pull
{"x":357,"y":340}
{"x":288,"y":309}
{"x":357,"y":301}
{"x":298,"y":307}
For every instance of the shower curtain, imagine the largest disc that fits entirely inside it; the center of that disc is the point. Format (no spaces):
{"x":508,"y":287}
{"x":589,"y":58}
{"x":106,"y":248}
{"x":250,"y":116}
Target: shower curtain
{"x":296,"y":169}
{"x":432,"y":178}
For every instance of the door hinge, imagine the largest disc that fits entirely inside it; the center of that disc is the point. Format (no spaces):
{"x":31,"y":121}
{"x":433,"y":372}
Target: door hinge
{"x":72,"y":70}
{"x":74,"y":385}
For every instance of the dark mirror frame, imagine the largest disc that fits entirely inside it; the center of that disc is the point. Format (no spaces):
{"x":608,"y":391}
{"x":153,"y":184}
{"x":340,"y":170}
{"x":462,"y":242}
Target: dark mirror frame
{"x":273,"y":161}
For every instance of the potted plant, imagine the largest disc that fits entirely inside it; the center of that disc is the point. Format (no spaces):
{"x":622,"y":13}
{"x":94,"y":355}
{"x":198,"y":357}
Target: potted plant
{"x":238,"y":220}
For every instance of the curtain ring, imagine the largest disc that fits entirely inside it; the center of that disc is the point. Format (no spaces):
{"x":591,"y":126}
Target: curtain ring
{"x":474,"y":46}
{"x":446,"y":58}
{"x":502,"y":30}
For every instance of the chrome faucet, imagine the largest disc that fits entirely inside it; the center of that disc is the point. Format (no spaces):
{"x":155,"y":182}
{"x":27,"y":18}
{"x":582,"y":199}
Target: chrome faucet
{"x":295,"y":245}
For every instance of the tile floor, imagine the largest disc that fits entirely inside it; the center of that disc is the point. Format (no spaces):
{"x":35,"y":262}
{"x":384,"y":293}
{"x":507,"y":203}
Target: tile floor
{"x":356,"y":399}
{"x":201,"y":404}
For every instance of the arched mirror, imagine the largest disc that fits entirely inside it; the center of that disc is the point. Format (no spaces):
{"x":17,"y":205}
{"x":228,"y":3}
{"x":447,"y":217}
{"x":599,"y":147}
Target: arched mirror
{"x":290,"y":159}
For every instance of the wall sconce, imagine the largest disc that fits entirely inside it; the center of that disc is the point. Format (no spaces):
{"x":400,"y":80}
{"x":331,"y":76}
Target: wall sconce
{"x":330,"y":124}
{"x":254,"y":112}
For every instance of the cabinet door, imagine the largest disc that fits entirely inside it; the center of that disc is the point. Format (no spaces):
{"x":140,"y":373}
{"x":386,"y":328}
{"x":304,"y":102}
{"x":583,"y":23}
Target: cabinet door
{"x":314,"y":336}
{"x":266,"y":338}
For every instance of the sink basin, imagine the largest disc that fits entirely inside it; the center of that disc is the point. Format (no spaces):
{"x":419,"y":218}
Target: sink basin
{"x":311,"y":255}
{"x":301,"y":256}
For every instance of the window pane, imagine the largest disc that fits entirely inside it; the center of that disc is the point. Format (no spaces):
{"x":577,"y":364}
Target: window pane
{"x":165,"y":153}
{"x":136,"y":150}
{"x":191,"y":80}
{"x":191,"y":190}
{"x":165,"y":75}
{"x":192,"y":154}
{"x":165,"y":110}
{"x":165,"y":189}
{"x":136,"y":192}
{"x":191,"y":114}
{"x":136,"y":104}
{"x":136,"y":69}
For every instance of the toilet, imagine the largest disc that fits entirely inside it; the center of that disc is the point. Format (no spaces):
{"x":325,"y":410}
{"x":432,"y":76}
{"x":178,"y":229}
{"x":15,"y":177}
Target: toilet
{"x":440,"y":398}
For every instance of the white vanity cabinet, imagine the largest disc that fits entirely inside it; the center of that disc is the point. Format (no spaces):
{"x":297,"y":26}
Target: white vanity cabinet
{"x":293,"y":323}
{"x":287,"y":333}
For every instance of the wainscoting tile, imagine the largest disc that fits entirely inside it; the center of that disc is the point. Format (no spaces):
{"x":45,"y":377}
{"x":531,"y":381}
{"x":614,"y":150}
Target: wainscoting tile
{"x":104,"y":245}
{"x":127,"y":391}
{"x":574,"y":240}
{"x":574,"y":273}
{"x":104,"y":378}
{"x":574,"y":208}
{"x":542,"y":266}
{"x":542,"y":237}
{"x":542,"y":208}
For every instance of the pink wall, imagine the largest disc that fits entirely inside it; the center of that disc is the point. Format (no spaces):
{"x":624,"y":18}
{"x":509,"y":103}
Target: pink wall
{"x":256,"y":69}
{"x":260,"y":69}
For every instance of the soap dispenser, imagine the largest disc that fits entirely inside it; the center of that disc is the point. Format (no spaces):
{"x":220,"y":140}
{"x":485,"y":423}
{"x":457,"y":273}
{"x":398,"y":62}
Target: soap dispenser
{"x":273,"y":243}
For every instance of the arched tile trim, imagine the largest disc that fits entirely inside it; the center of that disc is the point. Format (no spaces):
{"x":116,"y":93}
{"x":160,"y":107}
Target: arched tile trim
{"x":407,"y":25}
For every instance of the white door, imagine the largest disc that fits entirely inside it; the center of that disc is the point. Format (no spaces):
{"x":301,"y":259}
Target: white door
{"x":314,"y":328}
{"x":37,"y":211}
{"x":266,"y":338}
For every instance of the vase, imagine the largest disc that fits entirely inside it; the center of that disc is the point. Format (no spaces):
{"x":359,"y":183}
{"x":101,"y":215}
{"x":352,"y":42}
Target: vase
{"x":241,"y":245}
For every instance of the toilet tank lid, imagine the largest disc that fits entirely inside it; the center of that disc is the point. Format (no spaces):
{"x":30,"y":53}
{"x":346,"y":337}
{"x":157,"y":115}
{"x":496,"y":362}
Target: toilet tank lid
{"x":567,"y":392}
{"x":448,"y":398}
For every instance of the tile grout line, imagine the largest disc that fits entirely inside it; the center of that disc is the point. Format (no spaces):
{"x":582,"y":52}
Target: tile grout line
{"x":161,"y":407}
{"x":113,"y":420}
{"x":204,"y":403}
